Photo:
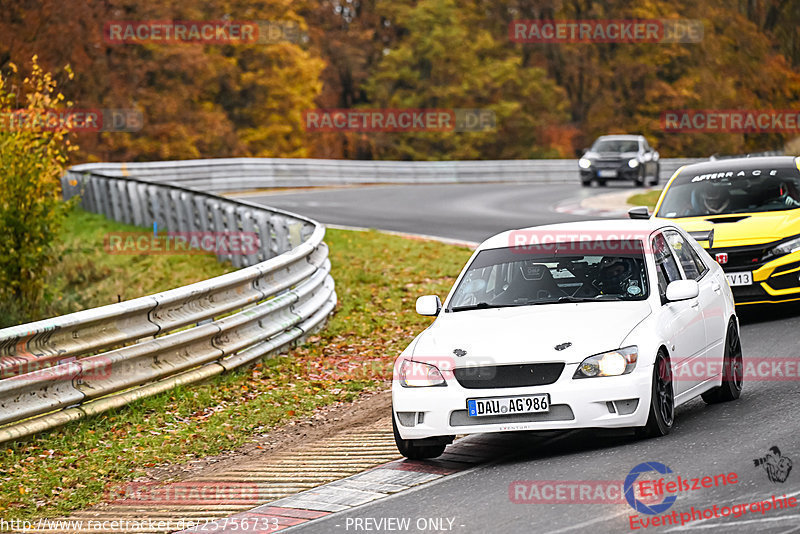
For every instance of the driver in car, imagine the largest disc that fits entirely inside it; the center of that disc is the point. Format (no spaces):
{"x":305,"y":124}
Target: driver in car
{"x":616,"y":277}
{"x":715,"y":198}
{"x":788,"y":195}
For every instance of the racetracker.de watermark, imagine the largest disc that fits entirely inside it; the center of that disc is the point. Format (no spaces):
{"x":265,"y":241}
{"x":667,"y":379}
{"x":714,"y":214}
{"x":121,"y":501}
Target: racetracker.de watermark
{"x":185,"y":493}
{"x":731,"y":121}
{"x":399,"y":120}
{"x":97,"y":367}
{"x":586,"y":241}
{"x":219,"y":243}
{"x":75,"y":120}
{"x":753,"y":369}
{"x":606,"y":31}
{"x":220,"y":32}
{"x":571,"y":492}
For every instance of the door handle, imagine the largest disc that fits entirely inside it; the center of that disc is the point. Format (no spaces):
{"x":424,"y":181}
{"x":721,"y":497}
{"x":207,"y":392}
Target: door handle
{"x":696,"y":305}
{"x":715,"y":287}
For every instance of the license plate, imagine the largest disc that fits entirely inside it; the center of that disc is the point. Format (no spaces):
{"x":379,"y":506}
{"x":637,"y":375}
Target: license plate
{"x":607,"y":173}
{"x":508,"y":405}
{"x":739,"y":279}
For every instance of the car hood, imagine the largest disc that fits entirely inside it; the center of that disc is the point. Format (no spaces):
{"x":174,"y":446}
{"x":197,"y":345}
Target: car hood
{"x":751,"y":229}
{"x":529,"y":333}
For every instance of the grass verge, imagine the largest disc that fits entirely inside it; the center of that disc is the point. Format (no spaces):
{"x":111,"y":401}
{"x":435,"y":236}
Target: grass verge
{"x":87,"y":277}
{"x":649,"y":199}
{"x":378,"y":278}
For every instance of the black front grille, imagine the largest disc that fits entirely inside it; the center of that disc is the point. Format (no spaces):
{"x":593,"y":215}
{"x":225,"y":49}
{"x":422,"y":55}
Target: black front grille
{"x":784,"y":268}
{"x":558,"y":412}
{"x":784,"y":281}
{"x":608,"y":164}
{"x":740,"y":258}
{"x":508,"y":376}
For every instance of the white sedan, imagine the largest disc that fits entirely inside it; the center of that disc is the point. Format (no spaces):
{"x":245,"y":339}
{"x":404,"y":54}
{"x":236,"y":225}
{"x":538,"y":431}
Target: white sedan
{"x":592,"y":324}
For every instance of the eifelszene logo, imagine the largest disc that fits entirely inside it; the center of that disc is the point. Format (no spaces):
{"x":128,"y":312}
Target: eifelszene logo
{"x":669,"y":488}
{"x":636,"y":504}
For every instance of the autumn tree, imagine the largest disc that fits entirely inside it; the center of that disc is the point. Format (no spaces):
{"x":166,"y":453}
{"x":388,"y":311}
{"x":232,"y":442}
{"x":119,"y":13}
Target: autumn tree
{"x":625,"y":87}
{"x":198,"y":100}
{"x":444,"y":58}
{"x":33,"y":154}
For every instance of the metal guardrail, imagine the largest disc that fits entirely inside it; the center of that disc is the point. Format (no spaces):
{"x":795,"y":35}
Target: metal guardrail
{"x":69,"y":367}
{"x":242,"y":174}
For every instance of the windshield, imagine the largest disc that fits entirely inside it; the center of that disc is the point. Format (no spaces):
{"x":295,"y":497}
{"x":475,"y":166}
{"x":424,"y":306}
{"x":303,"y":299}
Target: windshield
{"x":732,"y":192}
{"x":613,"y":271}
{"x":615,"y":145}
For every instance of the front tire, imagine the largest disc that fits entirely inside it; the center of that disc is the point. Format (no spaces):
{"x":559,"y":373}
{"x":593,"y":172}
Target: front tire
{"x":417,"y":449}
{"x":732,"y":370}
{"x":639,"y":181}
{"x":661,"y":416}
{"x":656,"y":175}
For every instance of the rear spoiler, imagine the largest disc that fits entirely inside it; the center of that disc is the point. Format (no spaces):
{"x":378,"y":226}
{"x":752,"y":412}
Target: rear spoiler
{"x":705,"y":235}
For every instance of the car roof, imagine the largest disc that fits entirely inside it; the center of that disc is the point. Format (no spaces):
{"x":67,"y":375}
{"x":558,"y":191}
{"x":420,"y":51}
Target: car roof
{"x":594,"y":229}
{"x":686,"y":173}
{"x":621,"y":137}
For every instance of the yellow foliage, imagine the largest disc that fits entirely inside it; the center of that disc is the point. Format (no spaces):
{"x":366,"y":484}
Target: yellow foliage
{"x":32,"y":159}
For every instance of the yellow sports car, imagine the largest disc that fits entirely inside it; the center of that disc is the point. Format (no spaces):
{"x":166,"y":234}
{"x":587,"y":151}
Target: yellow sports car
{"x":744,"y":211}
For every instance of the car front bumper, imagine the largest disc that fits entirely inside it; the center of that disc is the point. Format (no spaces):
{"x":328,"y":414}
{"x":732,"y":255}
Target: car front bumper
{"x":604,"y":402}
{"x":623,"y":171}
{"x":774,"y":282}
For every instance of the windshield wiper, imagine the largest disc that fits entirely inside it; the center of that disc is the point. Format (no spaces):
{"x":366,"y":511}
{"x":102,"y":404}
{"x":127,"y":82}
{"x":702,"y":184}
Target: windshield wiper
{"x":482,"y":306}
{"x":559,"y":300}
{"x":597,"y":298}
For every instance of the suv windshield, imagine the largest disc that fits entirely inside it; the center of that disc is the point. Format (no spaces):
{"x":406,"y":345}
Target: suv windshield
{"x":732,"y":192}
{"x":543,"y":274}
{"x":615,"y":145}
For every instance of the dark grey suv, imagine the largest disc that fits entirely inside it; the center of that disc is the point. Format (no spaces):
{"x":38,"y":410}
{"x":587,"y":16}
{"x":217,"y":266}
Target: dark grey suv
{"x":620,"y":157}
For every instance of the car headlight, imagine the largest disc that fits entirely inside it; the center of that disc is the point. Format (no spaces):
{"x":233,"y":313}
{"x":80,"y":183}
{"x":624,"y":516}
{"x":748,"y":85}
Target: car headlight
{"x":633,"y":163}
{"x":584,"y":163}
{"x":612,"y":363}
{"x":419,"y":375}
{"x":787,"y":247}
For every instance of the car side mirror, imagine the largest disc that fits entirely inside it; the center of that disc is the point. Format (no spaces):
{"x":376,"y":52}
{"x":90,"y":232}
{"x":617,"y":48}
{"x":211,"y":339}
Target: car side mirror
{"x":639,"y":212}
{"x":429,"y":305}
{"x":682,"y":290}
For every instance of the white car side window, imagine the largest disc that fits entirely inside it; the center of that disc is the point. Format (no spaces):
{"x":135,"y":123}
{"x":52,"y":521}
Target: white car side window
{"x":666,"y":266}
{"x":693,"y":267}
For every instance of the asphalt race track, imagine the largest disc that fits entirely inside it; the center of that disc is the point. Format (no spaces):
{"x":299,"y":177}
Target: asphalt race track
{"x":706,"y":440}
{"x":470,"y":212}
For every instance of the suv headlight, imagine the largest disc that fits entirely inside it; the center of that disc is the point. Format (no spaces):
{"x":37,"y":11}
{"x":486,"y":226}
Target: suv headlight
{"x":633,"y":163}
{"x":419,"y":375}
{"x":612,"y":363}
{"x":787,"y":247}
{"x":584,"y":163}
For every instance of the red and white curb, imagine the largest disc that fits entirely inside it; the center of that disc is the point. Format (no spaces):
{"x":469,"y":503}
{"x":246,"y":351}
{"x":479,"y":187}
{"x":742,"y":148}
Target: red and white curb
{"x":608,"y":205}
{"x":371,"y":485}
